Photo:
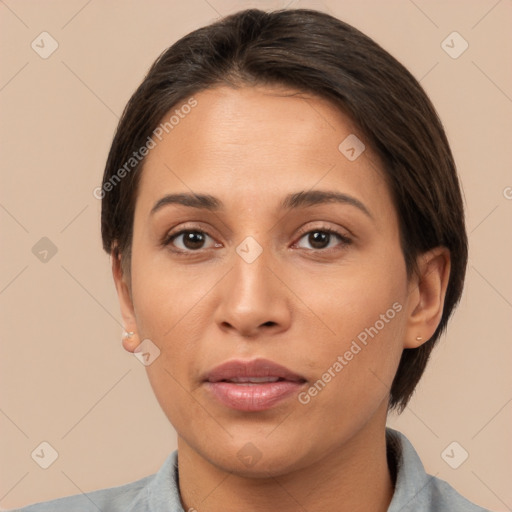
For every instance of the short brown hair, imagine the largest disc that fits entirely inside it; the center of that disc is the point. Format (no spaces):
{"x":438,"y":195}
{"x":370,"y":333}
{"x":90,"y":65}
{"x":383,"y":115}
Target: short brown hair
{"x":316,"y":53}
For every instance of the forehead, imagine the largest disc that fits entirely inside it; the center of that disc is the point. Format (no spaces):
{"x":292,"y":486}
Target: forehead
{"x":252,"y":142}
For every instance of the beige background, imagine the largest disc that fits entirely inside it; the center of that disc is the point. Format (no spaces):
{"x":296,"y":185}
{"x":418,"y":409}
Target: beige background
{"x":65,"y":377}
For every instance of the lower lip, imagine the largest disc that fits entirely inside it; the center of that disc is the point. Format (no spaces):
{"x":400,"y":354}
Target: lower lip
{"x":253,"y":397}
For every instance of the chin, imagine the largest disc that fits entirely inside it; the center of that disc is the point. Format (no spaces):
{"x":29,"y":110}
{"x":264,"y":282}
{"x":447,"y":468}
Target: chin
{"x":257,"y":458}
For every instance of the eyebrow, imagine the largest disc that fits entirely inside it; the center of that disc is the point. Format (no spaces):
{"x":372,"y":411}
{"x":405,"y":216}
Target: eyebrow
{"x":292,"y":201}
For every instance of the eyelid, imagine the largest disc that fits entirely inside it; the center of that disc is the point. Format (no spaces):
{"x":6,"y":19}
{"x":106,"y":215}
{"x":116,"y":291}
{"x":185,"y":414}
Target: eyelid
{"x":343,"y":233}
{"x":344,"y":240}
{"x":170,"y":235}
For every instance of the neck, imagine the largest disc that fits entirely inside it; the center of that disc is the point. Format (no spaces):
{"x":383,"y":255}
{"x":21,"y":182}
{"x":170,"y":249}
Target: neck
{"x":353,"y":477}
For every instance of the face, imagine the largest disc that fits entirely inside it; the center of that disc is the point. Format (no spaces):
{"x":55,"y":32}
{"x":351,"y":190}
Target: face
{"x":317,"y":286}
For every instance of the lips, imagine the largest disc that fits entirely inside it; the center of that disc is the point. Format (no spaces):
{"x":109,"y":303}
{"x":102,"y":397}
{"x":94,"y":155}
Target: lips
{"x":255,"y":369}
{"x":252,"y":385}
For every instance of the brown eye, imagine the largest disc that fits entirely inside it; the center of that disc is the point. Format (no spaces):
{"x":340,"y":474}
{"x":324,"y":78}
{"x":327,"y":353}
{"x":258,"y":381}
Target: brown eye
{"x":191,"y":240}
{"x":319,"y":239}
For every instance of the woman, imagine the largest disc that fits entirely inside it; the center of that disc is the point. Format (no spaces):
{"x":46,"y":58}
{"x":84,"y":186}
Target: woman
{"x":288,"y":243}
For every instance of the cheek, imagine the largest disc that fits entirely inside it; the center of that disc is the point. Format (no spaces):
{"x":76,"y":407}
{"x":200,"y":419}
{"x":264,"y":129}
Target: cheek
{"x":358,"y":354}
{"x":354,"y":299}
{"x":172,"y":320}
{"x":165,"y":294}
{"x":171,"y":310}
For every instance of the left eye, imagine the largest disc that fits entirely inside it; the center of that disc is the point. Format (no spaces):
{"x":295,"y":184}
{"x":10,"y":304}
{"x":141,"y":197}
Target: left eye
{"x":321,"y":238}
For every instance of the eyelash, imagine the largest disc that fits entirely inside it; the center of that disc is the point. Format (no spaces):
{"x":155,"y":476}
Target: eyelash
{"x":345,"y":241}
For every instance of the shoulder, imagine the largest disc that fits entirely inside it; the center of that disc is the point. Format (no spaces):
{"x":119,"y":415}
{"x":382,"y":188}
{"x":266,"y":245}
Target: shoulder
{"x":417,"y":491}
{"x":112,"y":499}
{"x":444,"y":497}
{"x":136,"y":496}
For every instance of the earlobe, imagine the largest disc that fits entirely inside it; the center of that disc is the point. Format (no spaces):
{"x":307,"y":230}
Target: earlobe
{"x":129,"y":338}
{"x":129,"y":341}
{"x":427,"y":296}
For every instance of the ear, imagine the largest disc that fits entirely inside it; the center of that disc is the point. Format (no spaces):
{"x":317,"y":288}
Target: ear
{"x":427,"y":291}
{"x":125,"y":302}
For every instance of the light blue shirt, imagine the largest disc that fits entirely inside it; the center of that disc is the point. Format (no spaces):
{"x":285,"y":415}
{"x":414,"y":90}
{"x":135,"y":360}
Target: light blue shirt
{"x":415,"y":490}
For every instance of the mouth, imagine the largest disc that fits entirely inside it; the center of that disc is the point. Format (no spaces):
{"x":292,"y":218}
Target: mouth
{"x":254,"y":385}
{"x":252,"y":380}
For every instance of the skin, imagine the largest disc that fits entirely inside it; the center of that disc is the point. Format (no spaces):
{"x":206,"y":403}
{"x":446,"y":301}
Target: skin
{"x":297,"y":304}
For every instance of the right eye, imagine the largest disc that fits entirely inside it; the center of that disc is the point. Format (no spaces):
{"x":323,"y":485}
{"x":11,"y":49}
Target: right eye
{"x":187,"y":241}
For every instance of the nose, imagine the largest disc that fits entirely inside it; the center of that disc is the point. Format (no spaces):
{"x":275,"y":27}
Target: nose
{"x":254,"y":298}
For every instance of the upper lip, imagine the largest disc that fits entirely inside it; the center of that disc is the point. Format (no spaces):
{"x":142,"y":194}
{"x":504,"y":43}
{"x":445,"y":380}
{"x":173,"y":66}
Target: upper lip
{"x":254,"y":368}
